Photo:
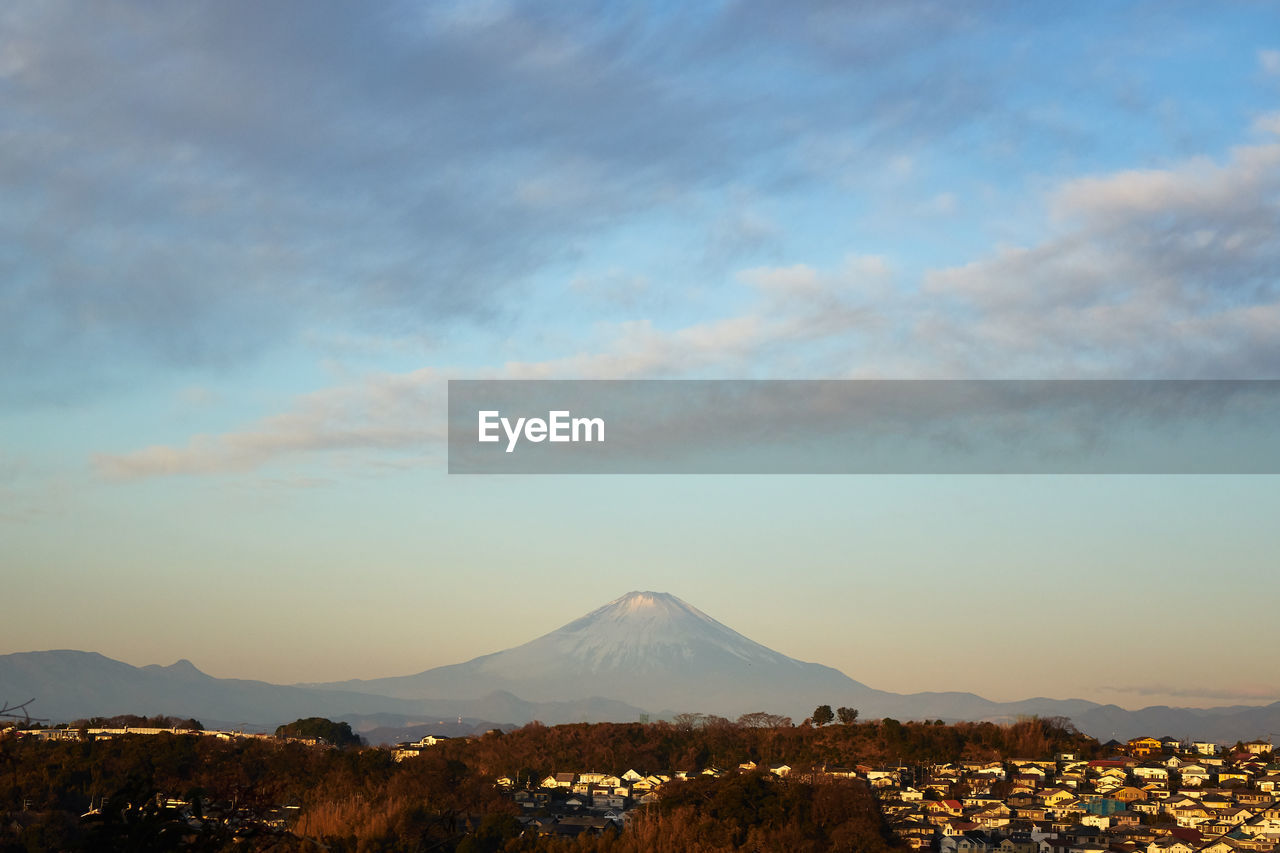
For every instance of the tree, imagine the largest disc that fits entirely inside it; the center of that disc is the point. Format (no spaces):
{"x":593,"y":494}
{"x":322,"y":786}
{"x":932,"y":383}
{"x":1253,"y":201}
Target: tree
{"x":11,"y":711}
{"x":822,"y":715}
{"x":763,"y":720}
{"x":848,"y":716}
{"x":339,"y":734}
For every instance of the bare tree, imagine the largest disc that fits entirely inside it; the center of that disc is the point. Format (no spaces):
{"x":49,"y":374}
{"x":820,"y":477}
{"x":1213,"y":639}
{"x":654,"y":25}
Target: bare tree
{"x":12,"y":712}
{"x":762,"y":720}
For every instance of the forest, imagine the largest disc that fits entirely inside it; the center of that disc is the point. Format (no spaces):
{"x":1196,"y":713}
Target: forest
{"x":185,"y":791}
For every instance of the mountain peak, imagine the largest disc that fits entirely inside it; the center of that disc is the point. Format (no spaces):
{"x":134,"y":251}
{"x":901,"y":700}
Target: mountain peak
{"x":184,"y":667}
{"x":648,"y":649}
{"x":181,"y":668}
{"x":636,"y":600}
{"x":648,"y":603}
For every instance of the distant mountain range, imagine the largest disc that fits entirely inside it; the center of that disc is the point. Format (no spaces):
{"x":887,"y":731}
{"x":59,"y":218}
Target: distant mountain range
{"x":646,"y":652}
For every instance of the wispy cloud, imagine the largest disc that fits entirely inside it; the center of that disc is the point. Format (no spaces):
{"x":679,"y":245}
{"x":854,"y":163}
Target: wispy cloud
{"x":1269,"y":60}
{"x":1149,"y":274}
{"x":196,"y":186}
{"x":1153,"y":273}
{"x":401,"y":413}
{"x":1248,"y":693}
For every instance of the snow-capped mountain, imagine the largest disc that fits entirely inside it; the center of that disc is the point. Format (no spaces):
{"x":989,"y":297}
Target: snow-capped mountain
{"x":649,"y":649}
{"x":646,"y":652}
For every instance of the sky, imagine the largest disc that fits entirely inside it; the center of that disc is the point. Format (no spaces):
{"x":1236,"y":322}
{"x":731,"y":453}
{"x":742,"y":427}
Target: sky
{"x":244,"y":246}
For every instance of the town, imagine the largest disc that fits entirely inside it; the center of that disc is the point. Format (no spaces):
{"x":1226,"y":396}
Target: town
{"x":1157,"y":795}
{"x":1067,"y":794}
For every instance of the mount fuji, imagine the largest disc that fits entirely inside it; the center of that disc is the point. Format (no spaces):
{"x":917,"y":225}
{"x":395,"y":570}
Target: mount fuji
{"x":652,"y":651}
{"x":648,"y":649}
{"x":646,"y":652}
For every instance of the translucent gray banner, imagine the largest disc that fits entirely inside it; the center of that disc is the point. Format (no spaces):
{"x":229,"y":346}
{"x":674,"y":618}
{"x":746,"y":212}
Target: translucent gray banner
{"x":864,"y":427}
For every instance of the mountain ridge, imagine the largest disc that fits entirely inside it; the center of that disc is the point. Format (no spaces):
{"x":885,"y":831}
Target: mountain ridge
{"x":646,"y":648}
{"x":641,"y":653}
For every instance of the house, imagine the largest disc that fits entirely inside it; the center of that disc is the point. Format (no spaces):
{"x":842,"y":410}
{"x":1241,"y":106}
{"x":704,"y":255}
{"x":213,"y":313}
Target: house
{"x":1193,"y":775}
{"x":1018,"y":843}
{"x":1142,"y":747}
{"x":1120,"y":774}
{"x":1033,"y":814}
{"x":1081,"y":834}
{"x":973,"y":841}
{"x":1169,"y":845}
{"x":1056,"y":797}
{"x":883,"y":778}
{"x":1073,"y":781}
{"x":1027,"y":781}
{"x":1190,"y":815}
{"x":608,"y":801}
{"x":781,"y":770}
{"x":992,"y":816}
{"x":648,"y":783}
{"x":1249,"y":797}
{"x":558,"y":780}
{"x":917,"y":835}
{"x":978,"y":801}
{"x":1222,"y":845}
{"x":1233,"y":816}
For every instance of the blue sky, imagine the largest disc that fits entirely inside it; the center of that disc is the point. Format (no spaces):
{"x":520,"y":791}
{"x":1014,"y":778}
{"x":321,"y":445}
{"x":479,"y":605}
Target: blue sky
{"x":243,"y":247}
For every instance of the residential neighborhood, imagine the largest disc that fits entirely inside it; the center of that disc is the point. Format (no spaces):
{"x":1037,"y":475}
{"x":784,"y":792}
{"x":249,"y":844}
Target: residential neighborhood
{"x":1155,"y":795}
{"x":1149,"y":795}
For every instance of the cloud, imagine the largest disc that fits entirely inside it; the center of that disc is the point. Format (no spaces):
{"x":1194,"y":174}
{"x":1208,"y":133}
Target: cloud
{"x":1269,"y":60}
{"x":401,"y":413}
{"x":195,"y":186}
{"x":1145,"y":274}
{"x":1268,"y":123}
{"x":1154,"y":273}
{"x":1251,"y":693}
